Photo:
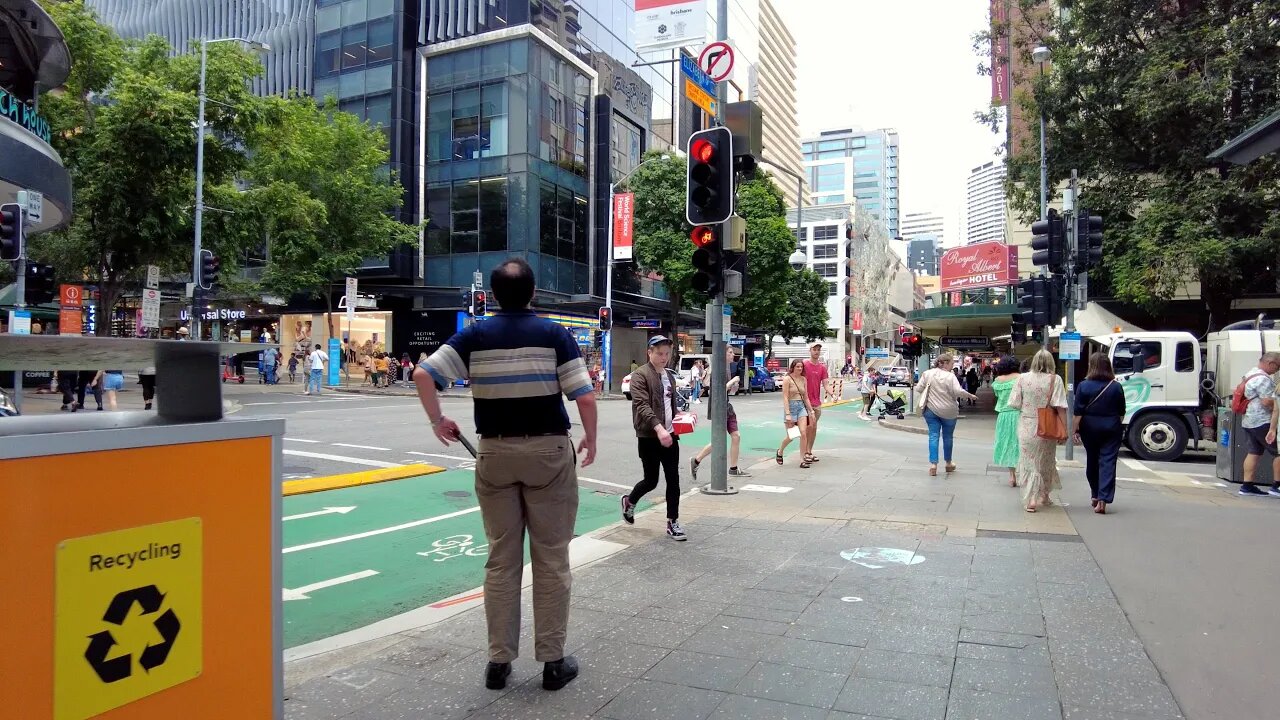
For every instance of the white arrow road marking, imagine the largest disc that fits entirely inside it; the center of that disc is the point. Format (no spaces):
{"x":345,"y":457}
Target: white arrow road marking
{"x":326,"y":511}
{"x":341,"y":458}
{"x":380,"y":531}
{"x":301,"y":593}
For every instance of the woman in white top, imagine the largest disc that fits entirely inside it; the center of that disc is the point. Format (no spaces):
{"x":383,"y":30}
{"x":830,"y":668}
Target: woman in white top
{"x":940,"y":393}
{"x":1038,"y":457}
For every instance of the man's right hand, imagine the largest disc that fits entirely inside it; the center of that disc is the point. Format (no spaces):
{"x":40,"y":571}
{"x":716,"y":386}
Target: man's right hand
{"x":664,"y":437}
{"x":447,"y":431}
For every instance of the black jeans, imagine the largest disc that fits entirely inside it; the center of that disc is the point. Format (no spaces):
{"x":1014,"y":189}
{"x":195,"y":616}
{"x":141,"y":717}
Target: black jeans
{"x":653,"y":455}
{"x":148,"y":387}
{"x":83,"y":384}
{"x":1101,"y":439}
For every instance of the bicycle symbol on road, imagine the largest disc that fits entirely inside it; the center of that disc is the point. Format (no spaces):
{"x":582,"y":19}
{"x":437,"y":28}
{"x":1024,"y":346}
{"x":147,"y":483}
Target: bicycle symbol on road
{"x":455,"y":546}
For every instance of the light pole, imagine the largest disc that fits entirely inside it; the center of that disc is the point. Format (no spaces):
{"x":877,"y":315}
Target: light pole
{"x":199,"y":224}
{"x":1040,"y":55}
{"x":606,"y":351}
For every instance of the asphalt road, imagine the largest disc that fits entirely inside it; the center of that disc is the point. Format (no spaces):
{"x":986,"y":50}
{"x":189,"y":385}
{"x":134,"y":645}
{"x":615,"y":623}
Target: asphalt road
{"x":1189,"y":561}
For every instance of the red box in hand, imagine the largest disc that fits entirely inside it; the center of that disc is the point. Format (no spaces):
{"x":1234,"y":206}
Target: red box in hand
{"x":684,"y":423}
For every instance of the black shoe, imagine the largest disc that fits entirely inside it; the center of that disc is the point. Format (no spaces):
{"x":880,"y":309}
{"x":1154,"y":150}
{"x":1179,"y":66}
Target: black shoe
{"x":148,"y":407}
{"x":628,"y":510}
{"x":556,"y":675}
{"x":735,"y":472}
{"x":495,"y":676}
{"x":1250,"y":489}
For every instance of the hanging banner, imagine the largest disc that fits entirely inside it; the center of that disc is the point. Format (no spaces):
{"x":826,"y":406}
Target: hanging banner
{"x":985,"y":264}
{"x":662,"y":24}
{"x":999,"y":59}
{"x":623,"y":225}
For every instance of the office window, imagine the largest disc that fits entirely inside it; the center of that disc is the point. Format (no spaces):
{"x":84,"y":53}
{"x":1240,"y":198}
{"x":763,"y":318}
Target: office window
{"x":825,"y":252}
{"x":493,"y":120}
{"x":354,"y":46}
{"x":829,"y":178}
{"x":829,"y":200}
{"x":328,"y":54}
{"x":826,"y":270}
{"x":833,"y":289}
{"x":381,"y":40}
{"x":826,"y":232}
{"x":465,"y":215}
{"x":547,"y":219}
{"x":437,"y":212}
{"x":832,"y":145}
{"x":493,"y":214}
{"x":858,"y":142}
{"x":466,"y":124}
{"x":802,"y":234}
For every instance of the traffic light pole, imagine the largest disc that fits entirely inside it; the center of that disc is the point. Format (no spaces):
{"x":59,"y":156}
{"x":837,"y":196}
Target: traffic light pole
{"x":20,"y":301}
{"x":719,"y":366}
{"x":1068,"y":207}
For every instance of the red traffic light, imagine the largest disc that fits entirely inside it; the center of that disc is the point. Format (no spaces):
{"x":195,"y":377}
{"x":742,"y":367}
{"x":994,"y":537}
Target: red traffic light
{"x":703,"y":235}
{"x":702,"y":150}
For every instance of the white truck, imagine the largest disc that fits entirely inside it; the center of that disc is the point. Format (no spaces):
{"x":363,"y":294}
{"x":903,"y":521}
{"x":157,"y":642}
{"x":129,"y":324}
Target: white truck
{"x":1174,"y":384}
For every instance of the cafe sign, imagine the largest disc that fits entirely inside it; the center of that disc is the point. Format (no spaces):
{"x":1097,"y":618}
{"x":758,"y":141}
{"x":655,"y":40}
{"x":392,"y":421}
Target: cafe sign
{"x":981,"y":265}
{"x":24,"y":114}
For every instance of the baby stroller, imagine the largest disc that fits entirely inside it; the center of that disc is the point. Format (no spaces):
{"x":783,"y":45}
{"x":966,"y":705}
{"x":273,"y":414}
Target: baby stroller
{"x":895,"y":404}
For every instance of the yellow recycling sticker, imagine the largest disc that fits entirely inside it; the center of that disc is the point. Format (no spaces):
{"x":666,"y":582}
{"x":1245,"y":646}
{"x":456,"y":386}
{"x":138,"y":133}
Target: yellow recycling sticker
{"x":127,"y":616}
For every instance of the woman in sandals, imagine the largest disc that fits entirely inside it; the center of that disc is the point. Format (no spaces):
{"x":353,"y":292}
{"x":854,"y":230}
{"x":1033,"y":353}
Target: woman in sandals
{"x":1037,"y":456}
{"x":797,"y":410}
{"x":940,"y":393}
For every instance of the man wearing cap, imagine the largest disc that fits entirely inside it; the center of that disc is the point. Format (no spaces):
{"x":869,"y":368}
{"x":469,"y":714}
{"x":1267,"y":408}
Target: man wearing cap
{"x":653,"y":409}
{"x":526,"y":475}
{"x":815,"y":373}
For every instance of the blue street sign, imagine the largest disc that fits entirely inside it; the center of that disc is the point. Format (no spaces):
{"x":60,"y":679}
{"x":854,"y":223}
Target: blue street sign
{"x":335,"y":360}
{"x":646,"y":323}
{"x":690,"y":68}
{"x":877,"y":352}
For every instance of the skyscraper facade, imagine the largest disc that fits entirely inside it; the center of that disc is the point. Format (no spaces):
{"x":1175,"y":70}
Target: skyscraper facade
{"x":854,"y":166}
{"x":915,"y":224}
{"x":924,"y":252}
{"x":985,"y":203}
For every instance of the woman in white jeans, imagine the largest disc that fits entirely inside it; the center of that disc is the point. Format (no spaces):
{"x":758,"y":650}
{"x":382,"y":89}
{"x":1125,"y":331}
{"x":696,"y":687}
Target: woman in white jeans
{"x":940,"y":392}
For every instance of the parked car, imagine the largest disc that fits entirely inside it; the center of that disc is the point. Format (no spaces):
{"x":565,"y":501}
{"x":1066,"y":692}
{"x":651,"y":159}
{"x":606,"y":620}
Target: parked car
{"x":682,"y":384}
{"x":899,"y":376}
{"x":762,"y":381}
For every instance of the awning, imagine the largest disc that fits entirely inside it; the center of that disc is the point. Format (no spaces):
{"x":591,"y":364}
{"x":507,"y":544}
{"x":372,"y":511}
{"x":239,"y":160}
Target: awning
{"x":1253,"y":143}
{"x":1095,"y":320}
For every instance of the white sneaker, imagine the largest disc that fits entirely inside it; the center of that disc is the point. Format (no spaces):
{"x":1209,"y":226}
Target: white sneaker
{"x":675,"y":532}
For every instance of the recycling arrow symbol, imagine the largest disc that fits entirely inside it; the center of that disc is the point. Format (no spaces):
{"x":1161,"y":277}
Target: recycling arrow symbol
{"x":150,"y":599}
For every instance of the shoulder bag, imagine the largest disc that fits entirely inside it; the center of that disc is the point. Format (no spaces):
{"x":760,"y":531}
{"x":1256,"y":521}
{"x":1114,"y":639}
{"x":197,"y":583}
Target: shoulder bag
{"x":924,"y":394}
{"x":1049,"y":424}
{"x":1095,"y":397}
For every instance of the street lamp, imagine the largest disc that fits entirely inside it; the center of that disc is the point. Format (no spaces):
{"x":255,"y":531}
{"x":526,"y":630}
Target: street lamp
{"x":607,"y":350}
{"x":256,"y":46}
{"x":1041,"y":55}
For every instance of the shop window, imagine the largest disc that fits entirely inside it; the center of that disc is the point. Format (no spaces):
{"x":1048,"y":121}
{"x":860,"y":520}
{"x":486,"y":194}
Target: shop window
{"x":328,"y":54}
{"x":354,"y":46}
{"x":493,"y":214}
{"x":381,"y":40}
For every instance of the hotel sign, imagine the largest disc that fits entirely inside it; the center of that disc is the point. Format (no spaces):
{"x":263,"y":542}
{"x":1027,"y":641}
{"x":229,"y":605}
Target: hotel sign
{"x":24,"y":114}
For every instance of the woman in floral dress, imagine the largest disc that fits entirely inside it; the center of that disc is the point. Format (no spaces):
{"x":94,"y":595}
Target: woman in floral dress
{"x":1006,"y":449}
{"x":1038,"y":457}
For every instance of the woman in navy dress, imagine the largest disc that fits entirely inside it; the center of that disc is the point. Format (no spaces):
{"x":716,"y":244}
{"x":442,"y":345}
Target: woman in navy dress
{"x":1099,"y":415}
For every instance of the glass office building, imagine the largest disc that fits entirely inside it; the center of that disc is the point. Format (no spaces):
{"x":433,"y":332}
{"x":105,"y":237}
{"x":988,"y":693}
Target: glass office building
{"x":854,"y":166}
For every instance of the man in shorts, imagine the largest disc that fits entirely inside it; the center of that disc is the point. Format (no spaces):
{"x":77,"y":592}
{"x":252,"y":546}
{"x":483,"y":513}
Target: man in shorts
{"x":815,"y":373}
{"x":735,"y":439}
{"x":1260,"y":437}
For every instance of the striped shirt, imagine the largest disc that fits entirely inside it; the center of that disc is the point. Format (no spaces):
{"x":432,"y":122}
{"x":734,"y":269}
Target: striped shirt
{"x":519,"y":364}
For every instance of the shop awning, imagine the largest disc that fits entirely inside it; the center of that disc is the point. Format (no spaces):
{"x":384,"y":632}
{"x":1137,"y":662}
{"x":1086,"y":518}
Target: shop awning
{"x":1259,"y":140}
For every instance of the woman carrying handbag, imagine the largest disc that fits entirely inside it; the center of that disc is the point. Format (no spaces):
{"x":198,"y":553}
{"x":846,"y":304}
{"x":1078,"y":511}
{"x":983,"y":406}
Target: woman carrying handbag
{"x":1099,"y":412}
{"x":1042,"y":427}
{"x":940,"y":393}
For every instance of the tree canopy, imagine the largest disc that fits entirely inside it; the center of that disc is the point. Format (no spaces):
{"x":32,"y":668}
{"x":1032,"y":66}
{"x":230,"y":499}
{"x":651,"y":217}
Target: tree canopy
{"x":1138,"y":94}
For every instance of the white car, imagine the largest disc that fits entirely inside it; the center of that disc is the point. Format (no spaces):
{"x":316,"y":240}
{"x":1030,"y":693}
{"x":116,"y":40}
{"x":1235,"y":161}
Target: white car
{"x":897,"y":376}
{"x":681,"y":383}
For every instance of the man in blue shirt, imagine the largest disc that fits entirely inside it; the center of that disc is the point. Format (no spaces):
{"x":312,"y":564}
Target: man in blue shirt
{"x":526,"y":479}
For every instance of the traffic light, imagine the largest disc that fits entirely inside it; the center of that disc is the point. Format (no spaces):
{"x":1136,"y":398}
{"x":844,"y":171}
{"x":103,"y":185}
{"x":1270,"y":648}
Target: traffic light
{"x":1049,"y":242}
{"x":1088,"y":240}
{"x":708,"y":260}
{"x":1018,"y":331}
{"x":1031,"y":299}
{"x":915,"y":344}
{"x":208,"y":270}
{"x":11,"y":233}
{"x":41,"y":286}
{"x":479,"y":303}
{"x":709,"y":199}
{"x":606,"y":318}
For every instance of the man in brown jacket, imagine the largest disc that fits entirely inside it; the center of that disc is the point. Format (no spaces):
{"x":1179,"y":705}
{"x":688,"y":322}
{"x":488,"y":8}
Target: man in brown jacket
{"x":653,"y":408}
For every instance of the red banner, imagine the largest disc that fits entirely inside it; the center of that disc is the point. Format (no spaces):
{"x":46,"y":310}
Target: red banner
{"x":999,"y":61}
{"x":985,"y":264}
{"x":855,"y":324}
{"x":623,"y":225}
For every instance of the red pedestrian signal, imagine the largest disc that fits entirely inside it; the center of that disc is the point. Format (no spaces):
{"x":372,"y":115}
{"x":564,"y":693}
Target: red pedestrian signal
{"x":479,"y":303}
{"x":709,"y":190}
{"x":703,"y":235}
{"x":606,"y":318}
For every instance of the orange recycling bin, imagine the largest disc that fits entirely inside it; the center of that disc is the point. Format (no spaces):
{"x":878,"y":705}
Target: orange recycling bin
{"x":141,"y":568}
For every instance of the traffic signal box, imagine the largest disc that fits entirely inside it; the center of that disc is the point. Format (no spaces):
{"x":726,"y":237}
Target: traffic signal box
{"x":1088,"y":241}
{"x":709,"y":196}
{"x":11,"y":231}
{"x":606,"y":318}
{"x":708,"y":260}
{"x":479,"y":303}
{"x":209,"y":270}
{"x":1049,"y":242}
{"x":41,"y":286}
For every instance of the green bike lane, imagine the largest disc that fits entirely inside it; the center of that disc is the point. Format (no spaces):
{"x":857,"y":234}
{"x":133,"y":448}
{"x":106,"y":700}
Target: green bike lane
{"x":761,"y":435}
{"x":355,"y":556}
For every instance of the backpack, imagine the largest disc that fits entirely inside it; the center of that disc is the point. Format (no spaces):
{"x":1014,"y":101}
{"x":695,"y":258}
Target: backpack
{"x":1239,"y":402}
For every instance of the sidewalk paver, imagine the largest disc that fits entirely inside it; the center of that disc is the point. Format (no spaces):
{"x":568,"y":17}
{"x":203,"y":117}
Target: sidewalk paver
{"x":869,"y":590}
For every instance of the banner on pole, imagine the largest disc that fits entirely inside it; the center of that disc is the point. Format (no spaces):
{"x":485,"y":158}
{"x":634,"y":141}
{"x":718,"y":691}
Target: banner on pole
{"x":623,"y":225}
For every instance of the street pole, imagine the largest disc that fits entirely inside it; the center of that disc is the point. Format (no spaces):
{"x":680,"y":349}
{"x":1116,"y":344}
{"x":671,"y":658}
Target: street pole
{"x":20,"y":300}
{"x":196,"y":305}
{"x":1044,"y":164}
{"x":1069,"y":208}
{"x":606,"y":351}
{"x":719,"y":366}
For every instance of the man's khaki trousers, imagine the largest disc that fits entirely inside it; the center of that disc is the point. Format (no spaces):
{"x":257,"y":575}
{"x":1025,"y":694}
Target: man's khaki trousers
{"x":527,"y":483}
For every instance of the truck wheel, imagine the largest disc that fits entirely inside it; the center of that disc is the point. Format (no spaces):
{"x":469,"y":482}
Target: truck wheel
{"x":1158,"y":436}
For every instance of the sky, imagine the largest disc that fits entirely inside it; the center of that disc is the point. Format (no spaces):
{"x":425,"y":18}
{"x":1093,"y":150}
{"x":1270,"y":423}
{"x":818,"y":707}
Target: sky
{"x":903,"y":64}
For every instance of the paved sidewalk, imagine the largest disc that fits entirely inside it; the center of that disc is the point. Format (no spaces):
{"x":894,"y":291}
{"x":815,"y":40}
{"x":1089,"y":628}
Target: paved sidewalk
{"x":868,"y":590}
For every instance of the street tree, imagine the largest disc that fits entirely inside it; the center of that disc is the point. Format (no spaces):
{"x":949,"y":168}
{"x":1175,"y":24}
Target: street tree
{"x":805,"y":315}
{"x":662,"y":244}
{"x":769,"y":246}
{"x":123,"y":126}
{"x":1138,"y":94}
{"x":320,"y":198}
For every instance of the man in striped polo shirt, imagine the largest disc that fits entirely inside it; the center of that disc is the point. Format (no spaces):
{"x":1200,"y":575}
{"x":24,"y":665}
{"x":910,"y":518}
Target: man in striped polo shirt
{"x":526,"y":479}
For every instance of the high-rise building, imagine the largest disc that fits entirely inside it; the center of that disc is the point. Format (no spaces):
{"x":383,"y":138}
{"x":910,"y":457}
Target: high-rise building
{"x":985,"y":216}
{"x":915,"y":224}
{"x":825,"y":239}
{"x":855,"y":166}
{"x":924,"y":252}
{"x":772,"y":84}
